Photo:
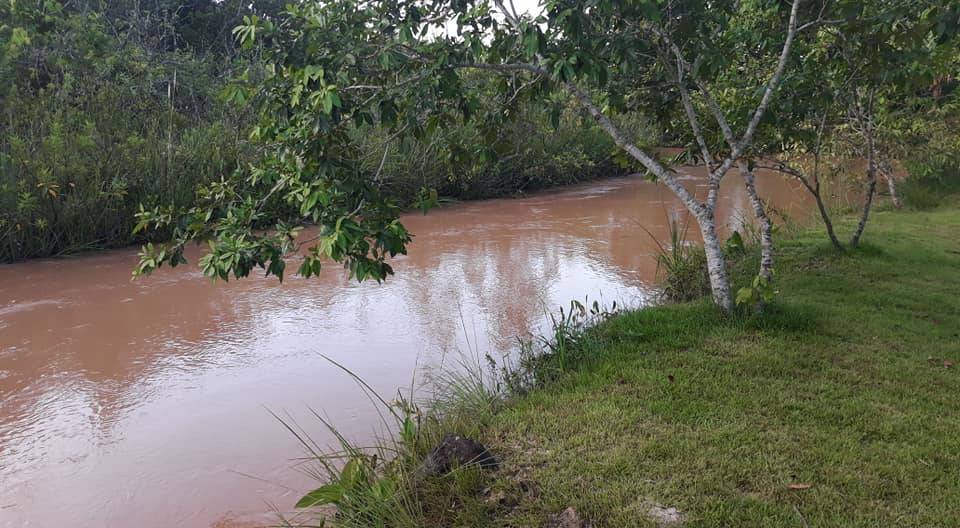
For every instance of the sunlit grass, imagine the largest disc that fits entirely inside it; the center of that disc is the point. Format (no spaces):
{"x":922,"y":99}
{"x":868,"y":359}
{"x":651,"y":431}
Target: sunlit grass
{"x":844,"y":385}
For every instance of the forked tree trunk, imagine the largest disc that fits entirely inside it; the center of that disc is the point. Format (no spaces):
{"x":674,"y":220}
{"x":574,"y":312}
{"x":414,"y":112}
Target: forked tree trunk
{"x":864,"y":117}
{"x":892,"y":185}
{"x":716,"y":265}
{"x":867,"y":202}
{"x":766,"y":225}
{"x":705,"y":213}
{"x":812,"y":184}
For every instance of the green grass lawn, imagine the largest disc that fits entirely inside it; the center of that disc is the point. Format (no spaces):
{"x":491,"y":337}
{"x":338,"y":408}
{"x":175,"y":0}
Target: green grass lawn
{"x":845,"y":385}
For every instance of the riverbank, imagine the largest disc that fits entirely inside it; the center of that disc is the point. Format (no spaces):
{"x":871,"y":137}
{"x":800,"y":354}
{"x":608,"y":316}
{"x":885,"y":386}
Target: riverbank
{"x":138,"y":382}
{"x":837,"y":408}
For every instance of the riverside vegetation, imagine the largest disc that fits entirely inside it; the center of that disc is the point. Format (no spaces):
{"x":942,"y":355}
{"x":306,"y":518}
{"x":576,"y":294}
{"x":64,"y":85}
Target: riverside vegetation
{"x":117,"y":105}
{"x":830,"y":407}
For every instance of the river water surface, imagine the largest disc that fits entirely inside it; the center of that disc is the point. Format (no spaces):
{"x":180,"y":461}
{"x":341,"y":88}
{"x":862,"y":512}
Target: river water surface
{"x":147,"y":404}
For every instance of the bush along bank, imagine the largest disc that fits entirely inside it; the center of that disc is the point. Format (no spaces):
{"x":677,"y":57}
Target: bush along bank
{"x":832,"y":407}
{"x":113,"y":106}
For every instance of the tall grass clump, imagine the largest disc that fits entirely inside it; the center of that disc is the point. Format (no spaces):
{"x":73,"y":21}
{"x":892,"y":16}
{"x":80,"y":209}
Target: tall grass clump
{"x":920,"y":195}
{"x":470,"y":161}
{"x":681,"y":266}
{"x":934,"y":176}
{"x":384,"y":484}
{"x":541,"y":357}
{"x":930,"y":150}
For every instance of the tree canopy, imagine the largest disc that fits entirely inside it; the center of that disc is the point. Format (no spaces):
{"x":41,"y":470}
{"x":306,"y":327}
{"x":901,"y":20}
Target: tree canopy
{"x":709,"y":72}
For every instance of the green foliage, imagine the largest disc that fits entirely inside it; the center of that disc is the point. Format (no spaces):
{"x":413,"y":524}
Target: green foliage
{"x":735,"y":244}
{"x":529,"y":153}
{"x":95,"y":124}
{"x":931,"y":150}
{"x":760,"y":291}
{"x":340,"y":73}
{"x":119,"y":105}
{"x":918,"y":194}
{"x":682,"y":268}
{"x":548,"y":354}
{"x":861,"y":87}
{"x":341,"y":76}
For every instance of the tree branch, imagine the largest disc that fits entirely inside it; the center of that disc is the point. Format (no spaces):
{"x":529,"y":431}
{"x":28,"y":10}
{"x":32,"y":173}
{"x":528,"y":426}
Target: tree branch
{"x":736,"y":147}
{"x":607,"y":125}
{"x":690,"y":111}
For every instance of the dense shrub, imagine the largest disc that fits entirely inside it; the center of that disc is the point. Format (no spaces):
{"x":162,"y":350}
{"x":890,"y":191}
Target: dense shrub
{"x":96,"y":123}
{"x":533,"y":154}
{"x":931,"y":151}
{"x":113,"y":106}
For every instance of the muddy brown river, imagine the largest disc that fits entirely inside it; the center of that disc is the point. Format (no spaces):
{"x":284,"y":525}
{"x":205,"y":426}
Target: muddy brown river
{"x":146,"y":404}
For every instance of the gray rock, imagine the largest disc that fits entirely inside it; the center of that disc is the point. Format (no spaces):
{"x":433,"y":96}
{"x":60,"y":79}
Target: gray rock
{"x":664,"y":516}
{"x":456,"y":451}
{"x":568,"y":518}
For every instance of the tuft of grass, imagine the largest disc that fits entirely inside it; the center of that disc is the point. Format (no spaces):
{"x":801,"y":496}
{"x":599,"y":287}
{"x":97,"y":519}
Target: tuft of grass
{"x":380,"y":484}
{"x":681,"y":266}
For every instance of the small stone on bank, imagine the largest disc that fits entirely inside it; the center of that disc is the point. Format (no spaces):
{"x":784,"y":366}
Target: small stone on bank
{"x":664,"y":517}
{"x":568,"y":518}
{"x":456,"y":451}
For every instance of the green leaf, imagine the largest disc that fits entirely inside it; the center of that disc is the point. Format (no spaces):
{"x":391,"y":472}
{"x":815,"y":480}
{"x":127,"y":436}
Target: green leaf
{"x":555,"y":112}
{"x":352,"y":473}
{"x":327,"y":103}
{"x":735,"y":243}
{"x":408,"y":432}
{"x":531,"y":44}
{"x":383,"y":489}
{"x":19,"y":37}
{"x":329,"y":494}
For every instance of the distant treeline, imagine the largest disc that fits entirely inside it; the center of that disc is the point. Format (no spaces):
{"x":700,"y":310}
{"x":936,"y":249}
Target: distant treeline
{"x":107,"y":105}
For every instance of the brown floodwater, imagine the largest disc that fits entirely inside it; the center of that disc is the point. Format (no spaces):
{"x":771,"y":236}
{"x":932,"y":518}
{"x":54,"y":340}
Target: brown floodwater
{"x":148,"y":403}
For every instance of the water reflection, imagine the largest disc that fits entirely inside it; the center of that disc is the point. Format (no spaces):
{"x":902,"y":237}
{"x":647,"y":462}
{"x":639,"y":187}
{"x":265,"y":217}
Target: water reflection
{"x":139,"y":403}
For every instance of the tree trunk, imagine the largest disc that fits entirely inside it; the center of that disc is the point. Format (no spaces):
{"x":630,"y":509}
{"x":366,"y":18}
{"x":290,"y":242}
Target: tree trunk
{"x":864,"y":117}
{"x":826,"y":221}
{"x":705,"y":214}
{"x":868,"y":199}
{"x":766,"y":226}
{"x":814,"y":190}
{"x":716,"y":265}
{"x":887,"y":172}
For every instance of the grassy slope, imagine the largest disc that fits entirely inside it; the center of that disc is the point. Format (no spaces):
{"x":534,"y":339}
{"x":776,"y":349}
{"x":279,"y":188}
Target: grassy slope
{"x":835,"y":388}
